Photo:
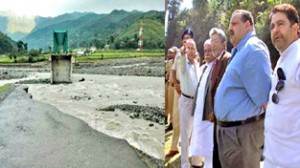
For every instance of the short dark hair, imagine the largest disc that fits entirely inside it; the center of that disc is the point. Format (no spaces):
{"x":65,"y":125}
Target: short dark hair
{"x":187,"y":31}
{"x":246,"y":16}
{"x":289,"y":10}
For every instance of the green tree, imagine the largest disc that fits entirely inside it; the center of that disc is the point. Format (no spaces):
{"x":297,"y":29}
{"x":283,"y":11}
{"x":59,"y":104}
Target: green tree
{"x":173,"y":29}
{"x":20,"y":45}
{"x":260,"y":10}
{"x":50,"y":49}
{"x":112,"y":39}
{"x":25,"y":46}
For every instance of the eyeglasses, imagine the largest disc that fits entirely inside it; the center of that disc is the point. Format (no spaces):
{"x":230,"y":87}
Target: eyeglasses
{"x":279,"y":85}
{"x":190,"y":49}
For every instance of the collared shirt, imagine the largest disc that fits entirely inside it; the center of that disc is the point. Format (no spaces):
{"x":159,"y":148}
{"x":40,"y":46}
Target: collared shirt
{"x":220,"y":55}
{"x":168,"y":68}
{"x":246,"y":83}
{"x":189,"y":76}
{"x":282,"y":122}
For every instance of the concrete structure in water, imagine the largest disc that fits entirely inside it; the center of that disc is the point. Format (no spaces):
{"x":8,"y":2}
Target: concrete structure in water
{"x":61,"y":60}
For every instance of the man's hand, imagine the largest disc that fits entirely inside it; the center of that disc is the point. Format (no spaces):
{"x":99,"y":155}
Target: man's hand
{"x":177,"y":87}
{"x":211,"y":117}
{"x":183,"y":50}
{"x":265,"y":106}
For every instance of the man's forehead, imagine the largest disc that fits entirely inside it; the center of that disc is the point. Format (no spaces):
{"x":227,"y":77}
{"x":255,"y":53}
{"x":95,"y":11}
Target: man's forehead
{"x":190,"y":44}
{"x":187,"y":36}
{"x":278,"y":16}
{"x":236,"y":16}
{"x":215,"y":36}
{"x":207,"y":46}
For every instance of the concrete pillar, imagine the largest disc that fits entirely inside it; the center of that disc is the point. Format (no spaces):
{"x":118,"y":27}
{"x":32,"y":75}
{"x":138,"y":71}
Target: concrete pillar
{"x":61,"y":68}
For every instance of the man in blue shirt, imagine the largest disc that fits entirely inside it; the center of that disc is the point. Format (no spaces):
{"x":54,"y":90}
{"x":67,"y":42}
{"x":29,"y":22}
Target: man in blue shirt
{"x":242,"y":95}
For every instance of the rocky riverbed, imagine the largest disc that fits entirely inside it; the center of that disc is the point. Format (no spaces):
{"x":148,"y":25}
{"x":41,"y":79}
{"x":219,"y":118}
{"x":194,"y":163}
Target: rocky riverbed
{"x":121,"y":67}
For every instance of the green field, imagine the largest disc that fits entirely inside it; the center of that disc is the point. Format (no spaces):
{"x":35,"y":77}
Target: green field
{"x":97,"y":55}
{"x":4,"y":59}
{"x":111,"y":54}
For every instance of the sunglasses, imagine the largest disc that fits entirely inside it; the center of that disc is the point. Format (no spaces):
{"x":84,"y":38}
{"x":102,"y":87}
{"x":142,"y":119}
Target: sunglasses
{"x":279,"y":85}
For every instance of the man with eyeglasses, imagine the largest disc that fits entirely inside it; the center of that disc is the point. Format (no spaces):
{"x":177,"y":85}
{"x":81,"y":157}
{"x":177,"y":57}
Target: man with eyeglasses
{"x":219,"y":46}
{"x":241,"y":95}
{"x":187,"y":34}
{"x":282,"y":122}
{"x":202,"y":134}
{"x":189,"y":77}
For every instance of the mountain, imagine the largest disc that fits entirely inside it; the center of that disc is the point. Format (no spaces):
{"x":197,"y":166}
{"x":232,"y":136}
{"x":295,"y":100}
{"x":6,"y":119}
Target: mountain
{"x":16,"y":26}
{"x":152,"y":37}
{"x":6,"y":44}
{"x":4,"y":22}
{"x":84,"y":29}
{"x":42,"y":37}
{"x":42,"y":22}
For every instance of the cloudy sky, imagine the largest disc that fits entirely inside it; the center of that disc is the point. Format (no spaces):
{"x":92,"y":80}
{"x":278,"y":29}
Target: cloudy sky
{"x":57,"y":7}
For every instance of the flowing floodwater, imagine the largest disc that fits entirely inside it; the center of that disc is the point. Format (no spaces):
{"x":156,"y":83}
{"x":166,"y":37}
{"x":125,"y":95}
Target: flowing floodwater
{"x":85,"y":100}
{"x":82,"y":99}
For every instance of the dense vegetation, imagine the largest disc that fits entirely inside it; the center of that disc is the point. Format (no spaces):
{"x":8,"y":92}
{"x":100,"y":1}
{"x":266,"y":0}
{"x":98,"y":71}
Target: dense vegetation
{"x":100,"y":55}
{"x":100,"y":30}
{"x":6,"y":44}
{"x":207,"y":14}
{"x":115,"y":31}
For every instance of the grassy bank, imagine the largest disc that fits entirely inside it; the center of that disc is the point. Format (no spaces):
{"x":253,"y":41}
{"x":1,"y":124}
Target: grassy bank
{"x":111,"y":54}
{"x":95,"y":56}
{"x":5,"y":90}
{"x":5,"y":87}
{"x":4,"y":59}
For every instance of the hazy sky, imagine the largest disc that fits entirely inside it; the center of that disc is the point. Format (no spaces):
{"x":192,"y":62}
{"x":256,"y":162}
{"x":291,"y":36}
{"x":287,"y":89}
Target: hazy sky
{"x":188,"y":4}
{"x":57,"y":7}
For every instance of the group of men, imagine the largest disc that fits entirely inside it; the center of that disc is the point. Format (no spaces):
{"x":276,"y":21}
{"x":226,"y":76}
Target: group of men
{"x":234,"y":108}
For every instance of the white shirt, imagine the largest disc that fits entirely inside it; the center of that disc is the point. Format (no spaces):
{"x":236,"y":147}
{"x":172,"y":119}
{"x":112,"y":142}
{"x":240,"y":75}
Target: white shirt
{"x":282,"y":122}
{"x":202,"y":136}
{"x":189,"y":76}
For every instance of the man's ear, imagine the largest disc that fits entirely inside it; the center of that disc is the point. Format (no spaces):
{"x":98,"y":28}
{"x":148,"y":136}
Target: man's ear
{"x":296,"y":28}
{"x":247,"y":25}
{"x":225,"y":45}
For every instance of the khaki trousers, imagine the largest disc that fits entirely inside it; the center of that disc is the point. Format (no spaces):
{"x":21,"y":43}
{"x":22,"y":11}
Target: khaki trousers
{"x":166,"y":98}
{"x":175,"y":122}
{"x":170,"y":101}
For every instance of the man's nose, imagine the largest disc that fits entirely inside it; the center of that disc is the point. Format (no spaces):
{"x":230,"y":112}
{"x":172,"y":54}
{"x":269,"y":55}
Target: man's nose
{"x":275,"y":29}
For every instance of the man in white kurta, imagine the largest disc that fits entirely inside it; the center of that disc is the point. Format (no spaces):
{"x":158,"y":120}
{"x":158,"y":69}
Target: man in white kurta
{"x":202,"y":136}
{"x":282,"y":122}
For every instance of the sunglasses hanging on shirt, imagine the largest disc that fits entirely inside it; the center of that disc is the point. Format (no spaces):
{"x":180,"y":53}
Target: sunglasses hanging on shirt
{"x":279,"y":85}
